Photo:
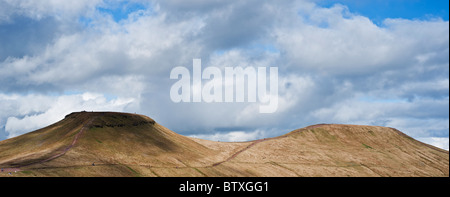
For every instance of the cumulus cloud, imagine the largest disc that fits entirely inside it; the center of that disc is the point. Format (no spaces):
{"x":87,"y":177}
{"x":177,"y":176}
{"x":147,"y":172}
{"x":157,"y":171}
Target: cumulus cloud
{"x":336,"y":42}
{"x":441,"y":142}
{"x":233,"y":136}
{"x":45,"y":8}
{"x":335,"y":66}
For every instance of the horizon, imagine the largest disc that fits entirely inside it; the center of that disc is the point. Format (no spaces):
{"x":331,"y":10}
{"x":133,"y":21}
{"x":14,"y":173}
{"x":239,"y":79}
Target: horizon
{"x":382,"y":63}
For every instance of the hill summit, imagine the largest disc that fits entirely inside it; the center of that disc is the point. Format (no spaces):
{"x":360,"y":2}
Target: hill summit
{"x":124,"y":144}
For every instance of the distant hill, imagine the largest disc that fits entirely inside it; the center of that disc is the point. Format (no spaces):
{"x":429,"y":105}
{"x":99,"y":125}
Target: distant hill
{"x":123,"y":144}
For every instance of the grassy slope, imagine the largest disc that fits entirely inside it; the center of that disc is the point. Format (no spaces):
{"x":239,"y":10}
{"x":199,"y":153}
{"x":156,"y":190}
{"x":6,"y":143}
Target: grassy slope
{"x":39,"y":144}
{"x":121,"y":144}
{"x":346,"y":150}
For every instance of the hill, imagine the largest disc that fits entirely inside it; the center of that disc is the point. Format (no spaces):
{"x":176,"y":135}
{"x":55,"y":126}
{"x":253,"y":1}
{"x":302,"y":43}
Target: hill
{"x":123,"y":144}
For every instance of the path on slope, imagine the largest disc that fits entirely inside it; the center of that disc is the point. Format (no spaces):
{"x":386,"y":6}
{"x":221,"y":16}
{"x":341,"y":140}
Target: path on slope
{"x":259,"y":141}
{"x":74,"y":141}
{"x":240,"y":151}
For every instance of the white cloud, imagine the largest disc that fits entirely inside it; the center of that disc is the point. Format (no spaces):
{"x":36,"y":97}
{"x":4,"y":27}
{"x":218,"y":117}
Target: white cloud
{"x":134,"y":47}
{"x":233,"y":136}
{"x":45,"y":8}
{"x":333,"y":41}
{"x":441,"y":142}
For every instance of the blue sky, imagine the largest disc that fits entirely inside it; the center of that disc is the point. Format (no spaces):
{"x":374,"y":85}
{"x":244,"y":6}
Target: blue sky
{"x":121,"y":10}
{"x":368,"y":62}
{"x":378,"y":10}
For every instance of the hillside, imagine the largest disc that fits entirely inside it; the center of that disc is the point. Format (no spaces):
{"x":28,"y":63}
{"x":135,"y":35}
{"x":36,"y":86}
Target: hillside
{"x":123,"y":144}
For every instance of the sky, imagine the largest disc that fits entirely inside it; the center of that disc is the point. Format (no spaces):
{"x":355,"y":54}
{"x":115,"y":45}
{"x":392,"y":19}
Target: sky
{"x":371,"y":62}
